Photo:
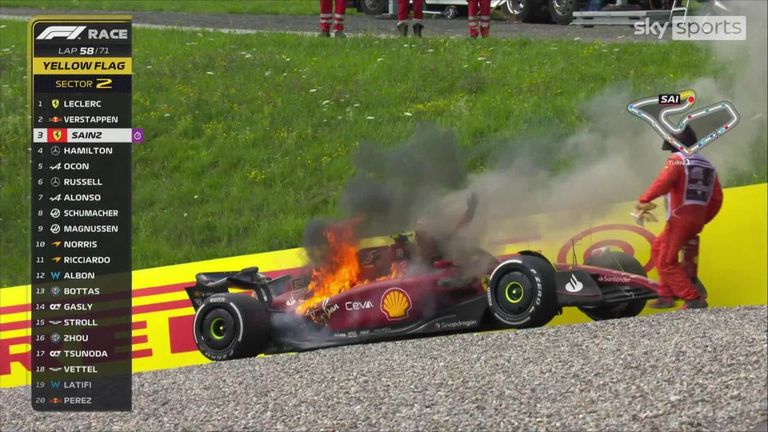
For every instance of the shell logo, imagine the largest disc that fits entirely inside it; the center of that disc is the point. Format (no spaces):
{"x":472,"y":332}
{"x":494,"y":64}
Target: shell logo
{"x":395,"y":303}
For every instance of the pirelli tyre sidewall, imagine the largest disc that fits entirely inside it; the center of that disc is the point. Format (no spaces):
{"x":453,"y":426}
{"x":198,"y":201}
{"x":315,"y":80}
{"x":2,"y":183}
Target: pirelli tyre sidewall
{"x":522,"y":292}
{"x":229,"y":326}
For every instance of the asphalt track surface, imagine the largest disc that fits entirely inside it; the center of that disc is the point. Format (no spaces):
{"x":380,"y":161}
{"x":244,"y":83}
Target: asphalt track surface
{"x":358,"y":24}
{"x":678,"y":371}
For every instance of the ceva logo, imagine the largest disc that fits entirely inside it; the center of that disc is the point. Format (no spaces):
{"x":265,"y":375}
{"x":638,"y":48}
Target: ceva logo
{"x":68,"y":32}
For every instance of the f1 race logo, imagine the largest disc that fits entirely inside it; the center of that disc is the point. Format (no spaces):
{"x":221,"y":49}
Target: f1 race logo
{"x":656,"y":111}
{"x":69,"y":32}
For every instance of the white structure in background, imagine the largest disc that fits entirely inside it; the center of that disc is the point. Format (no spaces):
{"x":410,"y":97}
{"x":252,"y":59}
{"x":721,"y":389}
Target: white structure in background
{"x":447,"y":8}
{"x":565,"y":11}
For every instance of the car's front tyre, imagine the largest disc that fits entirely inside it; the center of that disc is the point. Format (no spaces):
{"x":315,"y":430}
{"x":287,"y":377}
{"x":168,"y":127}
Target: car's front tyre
{"x":522,"y":292}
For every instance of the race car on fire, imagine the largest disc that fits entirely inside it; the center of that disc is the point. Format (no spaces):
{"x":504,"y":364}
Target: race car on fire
{"x":403,"y":289}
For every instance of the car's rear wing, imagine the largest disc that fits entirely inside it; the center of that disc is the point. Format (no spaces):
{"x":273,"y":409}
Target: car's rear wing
{"x":207,"y":284}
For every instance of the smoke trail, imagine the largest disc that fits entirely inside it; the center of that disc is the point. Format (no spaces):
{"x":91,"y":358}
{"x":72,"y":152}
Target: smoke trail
{"x":743,"y":150}
{"x":389,"y":185}
{"x":424,"y":182}
{"x":615,"y":156}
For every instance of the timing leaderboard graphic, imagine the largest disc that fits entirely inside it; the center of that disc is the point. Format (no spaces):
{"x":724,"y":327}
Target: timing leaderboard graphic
{"x":81,"y":212}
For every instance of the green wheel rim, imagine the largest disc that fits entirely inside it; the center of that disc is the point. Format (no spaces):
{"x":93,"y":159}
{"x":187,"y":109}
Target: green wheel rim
{"x":514,"y":292}
{"x":218,"y":328}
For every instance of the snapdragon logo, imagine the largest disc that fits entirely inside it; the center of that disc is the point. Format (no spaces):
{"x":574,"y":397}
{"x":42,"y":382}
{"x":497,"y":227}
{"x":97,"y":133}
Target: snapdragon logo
{"x":696,"y":28}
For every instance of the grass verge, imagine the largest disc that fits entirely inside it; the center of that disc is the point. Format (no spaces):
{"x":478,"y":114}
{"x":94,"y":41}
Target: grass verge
{"x":248,"y":136}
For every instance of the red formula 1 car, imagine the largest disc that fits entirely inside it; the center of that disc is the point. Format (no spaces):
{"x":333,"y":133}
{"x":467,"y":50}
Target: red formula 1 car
{"x":523,"y":290}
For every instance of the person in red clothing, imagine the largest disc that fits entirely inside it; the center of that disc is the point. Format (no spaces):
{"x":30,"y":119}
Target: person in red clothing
{"x":403,"y":7}
{"x":693,"y":196}
{"x":483,"y":21}
{"x":328,"y":16}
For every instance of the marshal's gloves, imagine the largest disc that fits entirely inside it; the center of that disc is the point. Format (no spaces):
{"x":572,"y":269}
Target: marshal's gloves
{"x":643,"y":213}
{"x":641,"y":206}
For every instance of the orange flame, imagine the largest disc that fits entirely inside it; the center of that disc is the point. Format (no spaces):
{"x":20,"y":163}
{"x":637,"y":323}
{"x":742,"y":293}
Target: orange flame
{"x":342,"y":269}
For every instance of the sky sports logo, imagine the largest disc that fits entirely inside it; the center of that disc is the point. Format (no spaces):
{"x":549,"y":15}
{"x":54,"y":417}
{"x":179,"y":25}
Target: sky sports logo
{"x":696,"y":28}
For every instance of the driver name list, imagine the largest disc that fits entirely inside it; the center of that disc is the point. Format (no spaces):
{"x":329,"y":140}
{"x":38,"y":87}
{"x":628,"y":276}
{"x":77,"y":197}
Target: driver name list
{"x":81,"y":212}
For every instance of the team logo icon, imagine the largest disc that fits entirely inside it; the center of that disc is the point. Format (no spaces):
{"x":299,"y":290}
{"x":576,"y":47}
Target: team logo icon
{"x":55,"y":103}
{"x":395,"y":303}
{"x":57,"y":135}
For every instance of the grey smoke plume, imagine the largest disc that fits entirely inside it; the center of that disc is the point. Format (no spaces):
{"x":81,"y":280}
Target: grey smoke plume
{"x":615,"y":155}
{"x":611,"y":159}
{"x":745,"y":149}
{"x":390,"y":184}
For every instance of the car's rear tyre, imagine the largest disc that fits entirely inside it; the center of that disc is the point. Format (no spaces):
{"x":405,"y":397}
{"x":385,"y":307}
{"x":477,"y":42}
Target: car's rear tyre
{"x":230,"y":326}
{"x":522,"y":292}
{"x":622,"y":262}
